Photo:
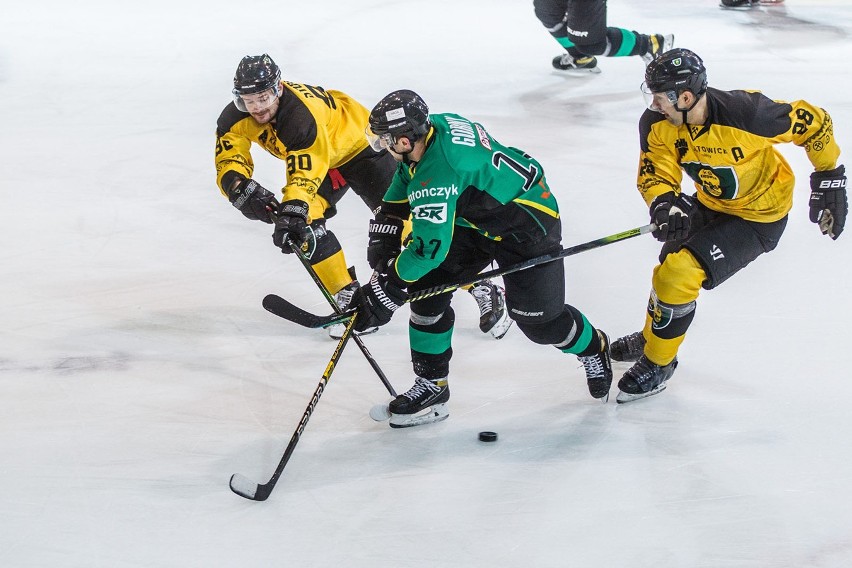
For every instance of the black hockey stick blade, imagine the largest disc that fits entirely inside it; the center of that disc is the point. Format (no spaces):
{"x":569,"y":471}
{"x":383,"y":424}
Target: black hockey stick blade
{"x":248,"y":489}
{"x":245,"y":487}
{"x":277,"y":305}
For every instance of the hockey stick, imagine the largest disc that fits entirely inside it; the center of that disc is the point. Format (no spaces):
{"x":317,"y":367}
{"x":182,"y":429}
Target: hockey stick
{"x":245,"y":487}
{"x":529,"y":263}
{"x":297,"y":250}
{"x":282,"y":308}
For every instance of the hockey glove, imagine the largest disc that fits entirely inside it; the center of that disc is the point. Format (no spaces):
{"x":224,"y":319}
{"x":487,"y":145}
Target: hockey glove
{"x":384,"y":241}
{"x":290,"y":225}
{"x":671,"y":213}
{"x":828,"y":203}
{"x":253,"y":200}
{"x":377,"y":300}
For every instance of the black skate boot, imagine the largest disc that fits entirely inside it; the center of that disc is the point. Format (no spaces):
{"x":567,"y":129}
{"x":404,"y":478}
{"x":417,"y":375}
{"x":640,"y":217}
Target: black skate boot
{"x":493,"y":317}
{"x":738,"y":4}
{"x":644,"y":379}
{"x":599,"y":370}
{"x":578,"y":66}
{"x":627,"y":348}
{"x":424,"y":403}
{"x":658,"y":44}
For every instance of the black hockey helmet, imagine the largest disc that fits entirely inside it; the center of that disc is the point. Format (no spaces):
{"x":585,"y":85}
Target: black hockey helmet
{"x":255,"y":74}
{"x":676,"y":70}
{"x":401,"y":113}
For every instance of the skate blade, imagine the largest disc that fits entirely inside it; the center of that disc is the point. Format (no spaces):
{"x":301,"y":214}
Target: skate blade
{"x":501,"y":328}
{"x":582,"y":72}
{"x":436,"y":413}
{"x":627,"y":397}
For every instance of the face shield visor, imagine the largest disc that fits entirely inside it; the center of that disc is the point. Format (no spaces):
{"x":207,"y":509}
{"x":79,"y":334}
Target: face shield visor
{"x":256,"y":102}
{"x":379,"y":142}
{"x":653,"y":99}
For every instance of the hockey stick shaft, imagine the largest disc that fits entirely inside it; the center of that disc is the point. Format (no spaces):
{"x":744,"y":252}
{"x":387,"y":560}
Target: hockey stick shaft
{"x":243,"y":486}
{"x":358,"y":341}
{"x":282,"y":308}
{"x":543,"y":259}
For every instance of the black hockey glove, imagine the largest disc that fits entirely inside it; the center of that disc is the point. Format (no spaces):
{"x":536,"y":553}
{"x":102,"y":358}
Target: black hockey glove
{"x":290,"y":225}
{"x":384,"y":241}
{"x":253,"y":200}
{"x":671,"y":213}
{"x":828,"y":203}
{"x":377,"y":300}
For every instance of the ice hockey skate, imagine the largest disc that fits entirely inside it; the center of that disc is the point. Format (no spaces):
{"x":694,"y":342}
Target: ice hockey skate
{"x":748,"y":4}
{"x":579,"y":66}
{"x":659,"y":44}
{"x":644,"y":379}
{"x":493,"y":316}
{"x":628,"y":348}
{"x":424,"y":403}
{"x":598,"y":369}
{"x":343,"y":297}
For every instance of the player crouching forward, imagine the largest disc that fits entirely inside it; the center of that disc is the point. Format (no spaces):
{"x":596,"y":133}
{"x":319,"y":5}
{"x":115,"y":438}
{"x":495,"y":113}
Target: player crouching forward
{"x":472,"y":201}
{"x":724,"y":141}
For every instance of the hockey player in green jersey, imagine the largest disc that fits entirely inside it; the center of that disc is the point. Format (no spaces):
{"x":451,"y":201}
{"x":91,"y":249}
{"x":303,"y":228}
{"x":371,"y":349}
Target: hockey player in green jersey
{"x":724,"y":141}
{"x":472,"y":201}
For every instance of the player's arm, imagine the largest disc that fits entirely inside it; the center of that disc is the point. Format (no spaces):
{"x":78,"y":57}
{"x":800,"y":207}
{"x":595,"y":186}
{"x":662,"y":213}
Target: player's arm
{"x":384,"y":239}
{"x":432,"y":227}
{"x":234,"y":168}
{"x":811,"y":128}
{"x":659,"y":170}
{"x":307,"y":160}
{"x":658,"y":181}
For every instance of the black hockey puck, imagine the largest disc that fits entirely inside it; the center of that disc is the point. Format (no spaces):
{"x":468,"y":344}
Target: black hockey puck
{"x":488,"y":436}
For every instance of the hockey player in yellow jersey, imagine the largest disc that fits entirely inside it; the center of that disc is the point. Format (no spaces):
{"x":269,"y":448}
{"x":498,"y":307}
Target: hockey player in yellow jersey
{"x":319,"y":135}
{"x":724,"y":141}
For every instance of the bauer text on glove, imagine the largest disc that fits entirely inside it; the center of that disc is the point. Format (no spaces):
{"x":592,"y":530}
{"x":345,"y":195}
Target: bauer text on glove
{"x":253,"y":200}
{"x":828,"y":203}
{"x":291,"y":224}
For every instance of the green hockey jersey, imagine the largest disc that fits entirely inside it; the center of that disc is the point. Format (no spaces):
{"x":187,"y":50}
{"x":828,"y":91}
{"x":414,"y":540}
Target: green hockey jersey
{"x":466,"y":178}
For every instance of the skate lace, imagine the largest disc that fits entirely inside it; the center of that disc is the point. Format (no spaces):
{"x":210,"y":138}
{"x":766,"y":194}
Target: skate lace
{"x":482,"y":293}
{"x":593,"y":366}
{"x":420,"y":387}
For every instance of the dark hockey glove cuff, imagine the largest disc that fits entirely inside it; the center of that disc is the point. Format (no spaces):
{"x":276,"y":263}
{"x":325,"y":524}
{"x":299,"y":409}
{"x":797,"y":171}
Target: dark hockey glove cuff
{"x":671,"y":214}
{"x":290,"y":225}
{"x":384,"y":241}
{"x":253,"y":200}
{"x":377,"y":301}
{"x":828,"y":203}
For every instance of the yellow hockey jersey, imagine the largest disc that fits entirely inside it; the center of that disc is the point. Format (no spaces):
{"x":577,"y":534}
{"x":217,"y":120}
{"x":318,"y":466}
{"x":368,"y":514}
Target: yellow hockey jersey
{"x":314,"y":130}
{"x":731,"y":158}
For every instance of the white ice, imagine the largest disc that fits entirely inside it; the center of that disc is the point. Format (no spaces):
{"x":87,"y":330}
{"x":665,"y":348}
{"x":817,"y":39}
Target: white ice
{"x":138,"y":370}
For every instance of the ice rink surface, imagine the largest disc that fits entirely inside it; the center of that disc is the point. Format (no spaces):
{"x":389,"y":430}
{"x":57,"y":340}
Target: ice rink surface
{"x":138,"y":370}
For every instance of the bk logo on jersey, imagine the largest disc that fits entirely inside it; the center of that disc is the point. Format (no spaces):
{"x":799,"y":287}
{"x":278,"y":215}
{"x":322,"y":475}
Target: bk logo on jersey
{"x":432,"y":212}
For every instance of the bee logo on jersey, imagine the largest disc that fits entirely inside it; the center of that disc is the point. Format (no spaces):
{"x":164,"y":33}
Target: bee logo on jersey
{"x":720,"y":182}
{"x":432,"y":212}
{"x":661,"y":315}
